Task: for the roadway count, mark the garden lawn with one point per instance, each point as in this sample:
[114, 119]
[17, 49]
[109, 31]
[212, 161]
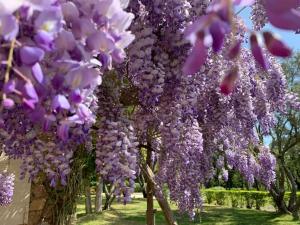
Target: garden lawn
[134, 214]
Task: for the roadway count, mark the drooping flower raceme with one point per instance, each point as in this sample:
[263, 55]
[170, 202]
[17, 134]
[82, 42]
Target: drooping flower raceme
[53, 54]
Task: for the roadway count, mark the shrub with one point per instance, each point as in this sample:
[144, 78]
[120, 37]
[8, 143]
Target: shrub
[237, 198]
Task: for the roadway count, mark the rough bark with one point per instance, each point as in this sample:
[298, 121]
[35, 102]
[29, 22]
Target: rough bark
[88, 200]
[150, 214]
[142, 182]
[109, 196]
[98, 200]
[163, 203]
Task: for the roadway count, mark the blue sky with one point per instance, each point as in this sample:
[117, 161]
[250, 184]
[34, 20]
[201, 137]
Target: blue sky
[289, 37]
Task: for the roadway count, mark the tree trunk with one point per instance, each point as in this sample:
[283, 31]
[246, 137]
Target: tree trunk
[98, 200]
[109, 196]
[293, 202]
[163, 203]
[88, 200]
[141, 180]
[150, 214]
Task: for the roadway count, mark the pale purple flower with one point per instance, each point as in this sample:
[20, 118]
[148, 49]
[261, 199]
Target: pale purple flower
[8, 103]
[37, 72]
[60, 102]
[31, 55]
[83, 78]
[9, 27]
[49, 20]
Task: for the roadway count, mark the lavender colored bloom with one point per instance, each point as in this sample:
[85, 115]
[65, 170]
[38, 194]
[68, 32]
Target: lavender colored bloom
[37, 72]
[31, 55]
[49, 20]
[70, 11]
[83, 77]
[9, 7]
[196, 59]
[44, 40]
[9, 27]
[65, 41]
[101, 41]
[8, 103]
[60, 102]
[63, 131]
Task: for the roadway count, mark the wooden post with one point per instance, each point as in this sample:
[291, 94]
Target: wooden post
[98, 200]
[150, 217]
[163, 203]
[88, 200]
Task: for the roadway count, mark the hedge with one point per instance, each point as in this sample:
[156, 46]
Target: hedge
[239, 198]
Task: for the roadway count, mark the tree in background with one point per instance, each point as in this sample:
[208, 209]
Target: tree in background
[285, 139]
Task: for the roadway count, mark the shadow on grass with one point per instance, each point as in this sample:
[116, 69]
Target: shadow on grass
[134, 214]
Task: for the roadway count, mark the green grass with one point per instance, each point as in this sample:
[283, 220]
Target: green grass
[134, 214]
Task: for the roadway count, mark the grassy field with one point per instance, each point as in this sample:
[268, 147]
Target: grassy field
[134, 214]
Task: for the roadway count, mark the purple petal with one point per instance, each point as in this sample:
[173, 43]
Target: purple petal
[44, 40]
[244, 2]
[58, 81]
[9, 27]
[101, 41]
[118, 55]
[65, 41]
[281, 6]
[9, 7]
[60, 102]
[49, 20]
[31, 55]
[289, 20]
[76, 96]
[106, 60]
[121, 21]
[9, 87]
[70, 11]
[257, 52]
[37, 73]
[82, 27]
[228, 82]
[48, 120]
[275, 46]
[191, 31]
[30, 91]
[196, 59]
[234, 50]
[218, 30]
[8, 103]
[83, 78]
[83, 112]
[63, 131]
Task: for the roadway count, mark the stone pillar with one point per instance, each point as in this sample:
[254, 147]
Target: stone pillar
[17, 212]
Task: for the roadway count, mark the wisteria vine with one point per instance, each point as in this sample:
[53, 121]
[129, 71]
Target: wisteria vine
[198, 104]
